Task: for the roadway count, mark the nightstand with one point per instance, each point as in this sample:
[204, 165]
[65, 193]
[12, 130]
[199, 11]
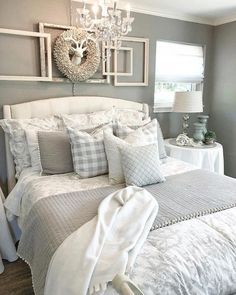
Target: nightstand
[205, 157]
[7, 247]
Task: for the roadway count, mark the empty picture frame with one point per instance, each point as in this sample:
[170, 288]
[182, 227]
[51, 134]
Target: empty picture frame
[54, 31]
[46, 37]
[142, 60]
[116, 54]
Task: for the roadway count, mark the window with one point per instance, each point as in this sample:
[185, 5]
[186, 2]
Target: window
[179, 67]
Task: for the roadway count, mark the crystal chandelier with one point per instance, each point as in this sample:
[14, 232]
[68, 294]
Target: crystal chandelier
[107, 23]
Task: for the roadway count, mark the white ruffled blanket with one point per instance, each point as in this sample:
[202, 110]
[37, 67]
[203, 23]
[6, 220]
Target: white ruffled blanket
[105, 246]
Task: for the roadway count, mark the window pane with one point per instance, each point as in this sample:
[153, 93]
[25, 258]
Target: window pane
[165, 92]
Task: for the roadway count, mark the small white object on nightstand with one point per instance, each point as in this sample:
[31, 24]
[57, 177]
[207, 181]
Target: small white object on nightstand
[205, 157]
[7, 247]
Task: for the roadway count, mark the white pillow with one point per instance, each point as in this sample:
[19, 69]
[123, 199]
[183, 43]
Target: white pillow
[128, 116]
[84, 121]
[113, 144]
[148, 132]
[15, 128]
[90, 120]
[122, 131]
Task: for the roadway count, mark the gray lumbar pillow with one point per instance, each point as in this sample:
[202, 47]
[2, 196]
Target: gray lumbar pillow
[141, 165]
[55, 152]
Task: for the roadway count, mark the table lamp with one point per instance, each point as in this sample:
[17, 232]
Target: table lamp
[187, 102]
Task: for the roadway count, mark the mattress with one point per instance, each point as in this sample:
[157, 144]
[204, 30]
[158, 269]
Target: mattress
[32, 186]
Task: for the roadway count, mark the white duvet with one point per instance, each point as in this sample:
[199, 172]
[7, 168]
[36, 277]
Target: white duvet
[194, 257]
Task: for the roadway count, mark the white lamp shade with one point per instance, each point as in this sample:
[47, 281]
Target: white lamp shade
[188, 102]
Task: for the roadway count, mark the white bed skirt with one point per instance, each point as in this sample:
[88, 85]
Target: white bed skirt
[7, 247]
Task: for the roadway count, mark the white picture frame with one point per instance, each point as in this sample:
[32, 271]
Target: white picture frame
[145, 81]
[43, 36]
[106, 63]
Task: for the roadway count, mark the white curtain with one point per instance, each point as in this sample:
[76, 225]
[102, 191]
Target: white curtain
[179, 62]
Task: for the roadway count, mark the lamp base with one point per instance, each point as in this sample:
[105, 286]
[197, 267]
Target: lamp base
[185, 124]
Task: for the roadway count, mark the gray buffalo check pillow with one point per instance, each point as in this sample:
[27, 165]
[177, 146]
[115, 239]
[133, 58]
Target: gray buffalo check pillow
[88, 152]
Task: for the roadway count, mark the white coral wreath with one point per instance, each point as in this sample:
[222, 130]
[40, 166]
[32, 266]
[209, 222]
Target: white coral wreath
[62, 52]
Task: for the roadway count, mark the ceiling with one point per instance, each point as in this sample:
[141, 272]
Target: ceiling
[213, 12]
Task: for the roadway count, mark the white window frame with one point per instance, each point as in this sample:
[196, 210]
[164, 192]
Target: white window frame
[196, 85]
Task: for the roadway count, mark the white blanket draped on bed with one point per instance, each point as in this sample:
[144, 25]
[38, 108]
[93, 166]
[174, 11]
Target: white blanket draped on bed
[105, 246]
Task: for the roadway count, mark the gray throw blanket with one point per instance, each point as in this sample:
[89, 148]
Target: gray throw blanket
[53, 219]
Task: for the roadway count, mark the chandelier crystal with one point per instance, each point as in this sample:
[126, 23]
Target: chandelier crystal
[107, 23]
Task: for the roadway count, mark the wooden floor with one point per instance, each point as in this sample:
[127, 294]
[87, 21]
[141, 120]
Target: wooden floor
[16, 279]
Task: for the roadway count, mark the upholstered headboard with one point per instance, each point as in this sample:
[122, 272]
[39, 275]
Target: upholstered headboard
[63, 105]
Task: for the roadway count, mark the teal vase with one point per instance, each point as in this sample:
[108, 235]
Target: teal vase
[203, 120]
[198, 134]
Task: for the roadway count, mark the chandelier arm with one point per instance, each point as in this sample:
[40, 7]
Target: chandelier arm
[110, 27]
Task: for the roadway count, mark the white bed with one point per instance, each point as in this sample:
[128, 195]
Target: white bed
[53, 106]
[195, 256]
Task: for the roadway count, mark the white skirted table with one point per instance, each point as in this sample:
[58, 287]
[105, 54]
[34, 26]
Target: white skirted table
[206, 157]
[7, 247]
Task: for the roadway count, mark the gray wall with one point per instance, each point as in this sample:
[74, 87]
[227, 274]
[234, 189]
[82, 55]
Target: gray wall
[223, 94]
[25, 14]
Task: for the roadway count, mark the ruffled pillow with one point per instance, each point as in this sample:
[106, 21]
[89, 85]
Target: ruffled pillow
[128, 116]
[124, 116]
[90, 120]
[15, 128]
